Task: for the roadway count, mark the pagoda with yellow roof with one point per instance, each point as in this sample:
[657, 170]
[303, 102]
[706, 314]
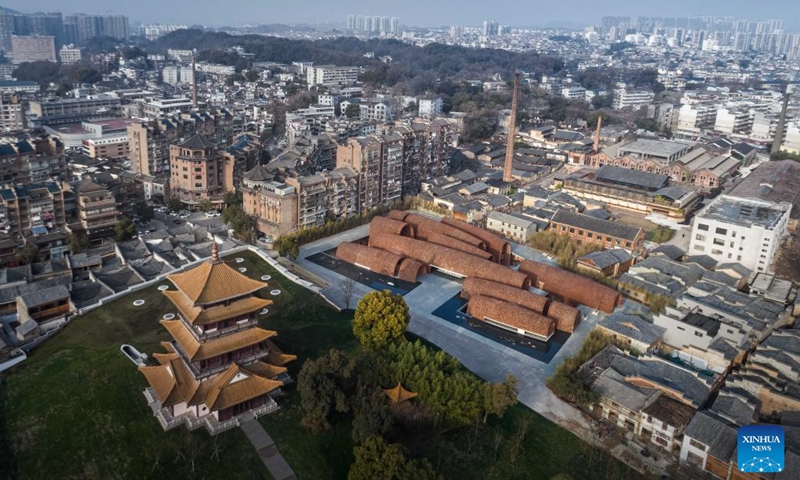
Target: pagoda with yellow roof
[219, 365]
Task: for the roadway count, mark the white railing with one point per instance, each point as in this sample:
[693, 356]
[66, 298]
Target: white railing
[192, 422]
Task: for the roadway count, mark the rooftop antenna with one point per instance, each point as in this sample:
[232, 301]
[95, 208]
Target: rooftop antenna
[512, 131]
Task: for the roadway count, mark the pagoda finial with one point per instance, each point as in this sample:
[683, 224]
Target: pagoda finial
[214, 252]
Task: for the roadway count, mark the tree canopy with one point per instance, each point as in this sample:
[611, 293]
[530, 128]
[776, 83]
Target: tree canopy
[124, 230]
[381, 319]
[321, 384]
[376, 458]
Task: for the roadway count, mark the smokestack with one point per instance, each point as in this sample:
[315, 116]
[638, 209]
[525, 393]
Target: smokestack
[597, 134]
[512, 131]
[778, 140]
[194, 81]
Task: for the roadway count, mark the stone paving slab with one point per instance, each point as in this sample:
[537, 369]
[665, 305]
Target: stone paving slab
[267, 450]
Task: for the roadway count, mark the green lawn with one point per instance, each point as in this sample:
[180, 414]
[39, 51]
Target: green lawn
[75, 409]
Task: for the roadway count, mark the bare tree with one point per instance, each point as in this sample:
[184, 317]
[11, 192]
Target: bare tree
[497, 440]
[519, 438]
[348, 289]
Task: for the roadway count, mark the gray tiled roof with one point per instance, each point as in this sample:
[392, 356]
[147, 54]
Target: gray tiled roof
[41, 297]
[593, 224]
[634, 178]
[711, 430]
[694, 387]
[633, 327]
[606, 258]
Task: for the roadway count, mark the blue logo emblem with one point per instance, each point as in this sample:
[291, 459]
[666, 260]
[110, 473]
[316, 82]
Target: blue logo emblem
[761, 449]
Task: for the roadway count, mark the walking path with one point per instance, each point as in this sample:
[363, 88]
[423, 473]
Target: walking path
[267, 450]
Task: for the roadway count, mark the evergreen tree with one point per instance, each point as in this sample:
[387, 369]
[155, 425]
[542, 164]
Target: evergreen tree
[381, 319]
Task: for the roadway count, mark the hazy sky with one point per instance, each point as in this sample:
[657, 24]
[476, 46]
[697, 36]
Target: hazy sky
[413, 12]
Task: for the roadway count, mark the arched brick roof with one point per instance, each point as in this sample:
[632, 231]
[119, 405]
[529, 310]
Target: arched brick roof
[398, 215]
[477, 286]
[498, 246]
[509, 314]
[411, 269]
[449, 259]
[570, 287]
[566, 317]
[380, 261]
[450, 242]
[425, 227]
[388, 225]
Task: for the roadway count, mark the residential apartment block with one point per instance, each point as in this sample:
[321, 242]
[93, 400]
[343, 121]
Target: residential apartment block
[29, 206]
[331, 75]
[740, 230]
[32, 161]
[198, 171]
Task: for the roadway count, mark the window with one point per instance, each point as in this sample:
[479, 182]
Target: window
[628, 244]
[700, 237]
[571, 230]
[697, 444]
[580, 232]
[698, 334]
[703, 227]
[719, 241]
[738, 258]
[716, 252]
[700, 248]
[733, 234]
[681, 329]
[721, 231]
[589, 235]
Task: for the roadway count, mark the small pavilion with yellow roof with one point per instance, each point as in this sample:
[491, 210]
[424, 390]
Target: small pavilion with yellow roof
[219, 364]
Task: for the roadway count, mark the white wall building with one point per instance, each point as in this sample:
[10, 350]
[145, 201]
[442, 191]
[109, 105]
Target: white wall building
[69, 54]
[573, 93]
[636, 99]
[514, 227]
[177, 75]
[331, 75]
[732, 229]
[430, 107]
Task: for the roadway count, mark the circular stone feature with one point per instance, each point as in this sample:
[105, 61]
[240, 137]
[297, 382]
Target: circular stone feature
[138, 303]
[275, 292]
[161, 288]
[266, 277]
[242, 269]
[169, 316]
[239, 260]
[264, 311]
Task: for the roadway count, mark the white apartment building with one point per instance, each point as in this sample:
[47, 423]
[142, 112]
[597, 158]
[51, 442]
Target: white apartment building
[12, 112]
[636, 99]
[791, 141]
[177, 75]
[732, 229]
[573, 93]
[697, 116]
[430, 107]
[69, 54]
[517, 228]
[732, 121]
[216, 69]
[331, 75]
